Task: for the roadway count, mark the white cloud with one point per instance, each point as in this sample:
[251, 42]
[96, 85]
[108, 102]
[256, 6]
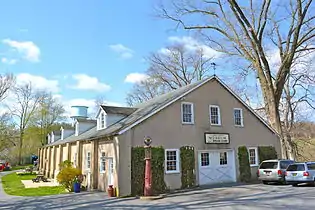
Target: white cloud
[8, 61]
[135, 77]
[85, 82]
[123, 51]
[192, 45]
[38, 82]
[27, 49]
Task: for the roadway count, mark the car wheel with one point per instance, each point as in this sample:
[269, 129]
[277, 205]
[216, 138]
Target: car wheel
[294, 185]
[264, 182]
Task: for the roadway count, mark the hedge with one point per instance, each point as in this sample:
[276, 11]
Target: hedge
[187, 157]
[267, 153]
[244, 166]
[138, 170]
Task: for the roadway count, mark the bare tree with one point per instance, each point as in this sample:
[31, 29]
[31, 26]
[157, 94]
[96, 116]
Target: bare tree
[24, 109]
[251, 31]
[7, 133]
[174, 67]
[7, 81]
[49, 111]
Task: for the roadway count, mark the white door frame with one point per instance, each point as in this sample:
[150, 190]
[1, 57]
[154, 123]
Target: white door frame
[217, 150]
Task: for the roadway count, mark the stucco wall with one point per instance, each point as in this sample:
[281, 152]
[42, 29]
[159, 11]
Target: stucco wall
[166, 129]
[73, 152]
[110, 150]
[64, 153]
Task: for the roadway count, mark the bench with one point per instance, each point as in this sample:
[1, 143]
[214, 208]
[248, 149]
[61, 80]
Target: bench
[39, 178]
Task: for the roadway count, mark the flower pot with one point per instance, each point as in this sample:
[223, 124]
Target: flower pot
[76, 187]
[110, 191]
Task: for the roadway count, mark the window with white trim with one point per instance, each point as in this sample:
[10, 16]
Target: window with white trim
[187, 113]
[223, 158]
[102, 120]
[102, 162]
[238, 117]
[205, 159]
[88, 160]
[253, 156]
[75, 160]
[215, 118]
[172, 161]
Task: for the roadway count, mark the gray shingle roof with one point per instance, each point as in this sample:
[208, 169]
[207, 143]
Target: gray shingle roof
[74, 138]
[118, 110]
[145, 109]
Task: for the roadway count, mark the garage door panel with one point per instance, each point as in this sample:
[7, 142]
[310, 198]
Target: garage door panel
[216, 167]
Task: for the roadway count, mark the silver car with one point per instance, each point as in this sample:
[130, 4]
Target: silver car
[273, 171]
[300, 173]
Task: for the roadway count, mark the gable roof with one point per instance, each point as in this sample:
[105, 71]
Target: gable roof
[118, 110]
[151, 107]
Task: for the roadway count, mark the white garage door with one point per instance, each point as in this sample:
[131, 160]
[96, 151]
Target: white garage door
[216, 167]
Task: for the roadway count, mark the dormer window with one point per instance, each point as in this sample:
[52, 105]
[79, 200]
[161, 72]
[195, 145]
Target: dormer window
[102, 120]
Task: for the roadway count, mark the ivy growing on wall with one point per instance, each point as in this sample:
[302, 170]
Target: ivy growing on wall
[244, 166]
[187, 159]
[267, 153]
[138, 170]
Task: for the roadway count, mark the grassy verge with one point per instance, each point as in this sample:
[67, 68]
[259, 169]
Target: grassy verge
[12, 185]
[13, 168]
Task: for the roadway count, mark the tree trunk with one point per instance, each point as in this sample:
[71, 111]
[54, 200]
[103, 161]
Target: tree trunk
[20, 147]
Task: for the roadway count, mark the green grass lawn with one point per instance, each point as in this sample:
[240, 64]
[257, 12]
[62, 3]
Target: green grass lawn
[12, 185]
[13, 168]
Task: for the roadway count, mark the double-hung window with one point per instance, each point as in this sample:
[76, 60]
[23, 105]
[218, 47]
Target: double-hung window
[102, 120]
[253, 156]
[215, 117]
[88, 160]
[187, 113]
[171, 161]
[238, 117]
[102, 162]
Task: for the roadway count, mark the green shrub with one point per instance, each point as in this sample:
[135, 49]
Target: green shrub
[267, 153]
[138, 170]
[244, 166]
[68, 174]
[187, 157]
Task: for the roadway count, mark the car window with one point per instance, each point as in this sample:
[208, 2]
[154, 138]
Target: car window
[311, 166]
[269, 165]
[296, 167]
[285, 164]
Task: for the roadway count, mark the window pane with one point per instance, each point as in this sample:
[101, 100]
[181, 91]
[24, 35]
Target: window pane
[269, 165]
[296, 167]
[237, 117]
[252, 156]
[214, 113]
[223, 158]
[205, 159]
[171, 160]
[187, 112]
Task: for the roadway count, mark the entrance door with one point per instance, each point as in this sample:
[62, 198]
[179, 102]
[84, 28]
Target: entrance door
[216, 167]
[110, 177]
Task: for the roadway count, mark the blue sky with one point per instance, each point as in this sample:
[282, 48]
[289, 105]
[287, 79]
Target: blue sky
[54, 42]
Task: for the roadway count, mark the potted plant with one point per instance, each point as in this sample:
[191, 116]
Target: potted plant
[77, 184]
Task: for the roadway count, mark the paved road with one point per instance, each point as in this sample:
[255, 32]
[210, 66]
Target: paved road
[244, 197]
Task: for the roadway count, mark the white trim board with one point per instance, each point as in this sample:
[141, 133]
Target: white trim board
[191, 90]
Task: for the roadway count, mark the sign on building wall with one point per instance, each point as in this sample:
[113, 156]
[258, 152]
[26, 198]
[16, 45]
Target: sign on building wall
[217, 138]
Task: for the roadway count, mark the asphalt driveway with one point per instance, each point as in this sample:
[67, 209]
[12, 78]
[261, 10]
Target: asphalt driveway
[255, 196]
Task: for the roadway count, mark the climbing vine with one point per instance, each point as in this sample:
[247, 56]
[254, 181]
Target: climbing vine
[244, 167]
[267, 153]
[187, 159]
[138, 169]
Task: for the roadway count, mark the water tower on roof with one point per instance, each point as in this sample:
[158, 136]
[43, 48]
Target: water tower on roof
[79, 112]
